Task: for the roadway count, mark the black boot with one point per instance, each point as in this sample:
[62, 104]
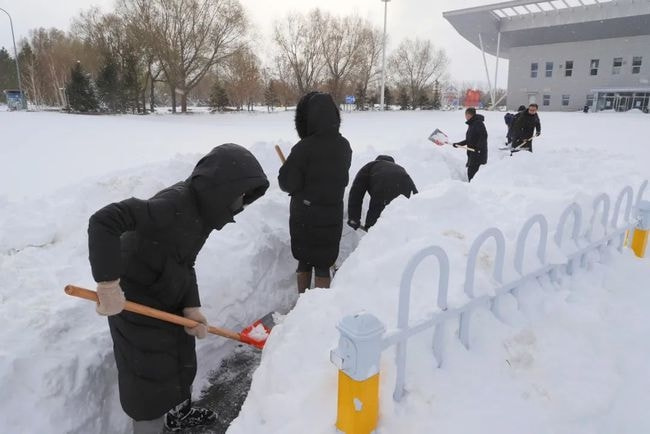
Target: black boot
[185, 416]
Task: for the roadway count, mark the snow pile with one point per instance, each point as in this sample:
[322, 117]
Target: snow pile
[573, 354]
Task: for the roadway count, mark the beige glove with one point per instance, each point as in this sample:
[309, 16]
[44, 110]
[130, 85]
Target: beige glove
[201, 330]
[111, 298]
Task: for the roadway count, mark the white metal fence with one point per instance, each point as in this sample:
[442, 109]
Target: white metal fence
[602, 233]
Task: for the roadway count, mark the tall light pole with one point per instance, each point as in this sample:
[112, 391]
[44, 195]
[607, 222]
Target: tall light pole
[383, 57]
[20, 85]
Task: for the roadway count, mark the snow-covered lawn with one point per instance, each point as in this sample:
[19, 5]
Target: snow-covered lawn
[573, 360]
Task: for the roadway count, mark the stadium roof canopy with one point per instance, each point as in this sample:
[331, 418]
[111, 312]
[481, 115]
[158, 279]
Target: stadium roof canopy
[524, 23]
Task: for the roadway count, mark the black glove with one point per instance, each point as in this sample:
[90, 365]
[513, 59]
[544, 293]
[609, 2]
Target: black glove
[538, 133]
[354, 225]
[455, 145]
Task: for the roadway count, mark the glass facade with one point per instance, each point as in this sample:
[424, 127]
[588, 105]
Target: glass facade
[623, 101]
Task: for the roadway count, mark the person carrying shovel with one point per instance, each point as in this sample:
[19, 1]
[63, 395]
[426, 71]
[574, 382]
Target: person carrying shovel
[475, 142]
[525, 127]
[144, 251]
[315, 175]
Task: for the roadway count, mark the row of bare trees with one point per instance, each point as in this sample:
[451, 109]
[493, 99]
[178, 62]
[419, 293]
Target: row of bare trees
[181, 51]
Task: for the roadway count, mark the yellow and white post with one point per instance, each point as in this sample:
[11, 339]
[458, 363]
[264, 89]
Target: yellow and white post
[640, 235]
[357, 358]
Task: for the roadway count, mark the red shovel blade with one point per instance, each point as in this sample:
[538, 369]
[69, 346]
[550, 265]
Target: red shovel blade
[257, 333]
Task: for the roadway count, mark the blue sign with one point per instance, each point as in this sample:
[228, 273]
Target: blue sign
[350, 99]
[14, 99]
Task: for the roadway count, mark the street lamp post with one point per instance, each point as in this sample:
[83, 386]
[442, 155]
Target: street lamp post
[383, 57]
[20, 85]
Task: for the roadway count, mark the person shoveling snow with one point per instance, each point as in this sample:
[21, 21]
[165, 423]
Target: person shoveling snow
[145, 250]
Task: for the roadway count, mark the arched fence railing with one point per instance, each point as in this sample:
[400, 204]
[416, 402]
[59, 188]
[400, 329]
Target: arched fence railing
[584, 244]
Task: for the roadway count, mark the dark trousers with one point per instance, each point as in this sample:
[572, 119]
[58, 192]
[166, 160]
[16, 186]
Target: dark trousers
[472, 168]
[304, 267]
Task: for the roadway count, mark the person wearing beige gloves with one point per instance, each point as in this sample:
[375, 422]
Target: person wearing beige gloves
[144, 251]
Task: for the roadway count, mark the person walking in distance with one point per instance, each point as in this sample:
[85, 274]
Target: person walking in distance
[475, 141]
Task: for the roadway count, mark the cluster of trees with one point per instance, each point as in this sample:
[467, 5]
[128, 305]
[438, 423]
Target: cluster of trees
[150, 52]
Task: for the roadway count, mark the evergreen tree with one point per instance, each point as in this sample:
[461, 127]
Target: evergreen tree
[109, 86]
[7, 73]
[270, 96]
[436, 102]
[81, 96]
[422, 101]
[403, 99]
[360, 96]
[130, 84]
[218, 97]
[388, 98]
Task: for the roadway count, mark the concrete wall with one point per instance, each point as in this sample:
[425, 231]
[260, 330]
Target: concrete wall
[521, 87]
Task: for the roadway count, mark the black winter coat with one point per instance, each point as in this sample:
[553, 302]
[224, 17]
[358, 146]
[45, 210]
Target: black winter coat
[384, 180]
[525, 125]
[476, 138]
[152, 246]
[315, 175]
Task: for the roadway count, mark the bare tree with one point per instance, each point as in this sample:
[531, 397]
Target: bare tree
[189, 37]
[342, 41]
[298, 39]
[53, 53]
[243, 79]
[415, 65]
[367, 69]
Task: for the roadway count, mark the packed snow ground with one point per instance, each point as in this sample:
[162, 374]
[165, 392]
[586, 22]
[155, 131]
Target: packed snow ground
[573, 360]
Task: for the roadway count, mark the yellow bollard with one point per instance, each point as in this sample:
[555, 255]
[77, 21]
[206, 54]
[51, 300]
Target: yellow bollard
[358, 404]
[357, 358]
[640, 235]
[639, 242]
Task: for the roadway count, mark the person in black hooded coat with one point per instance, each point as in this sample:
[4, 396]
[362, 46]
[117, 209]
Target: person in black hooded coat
[476, 140]
[315, 175]
[525, 127]
[384, 180]
[145, 250]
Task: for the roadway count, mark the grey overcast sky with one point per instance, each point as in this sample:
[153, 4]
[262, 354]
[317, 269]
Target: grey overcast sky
[406, 19]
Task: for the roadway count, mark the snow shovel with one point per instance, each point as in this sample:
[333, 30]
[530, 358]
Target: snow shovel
[254, 335]
[280, 153]
[518, 148]
[440, 139]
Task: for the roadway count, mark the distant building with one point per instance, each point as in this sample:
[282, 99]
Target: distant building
[565, 54]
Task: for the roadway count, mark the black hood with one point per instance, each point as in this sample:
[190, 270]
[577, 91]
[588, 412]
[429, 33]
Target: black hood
[475, 118]
[385, 158]
[226, 173]
[317, 113]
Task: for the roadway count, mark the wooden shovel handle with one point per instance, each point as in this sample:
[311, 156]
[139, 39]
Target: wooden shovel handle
[152, 313]
[280, 153]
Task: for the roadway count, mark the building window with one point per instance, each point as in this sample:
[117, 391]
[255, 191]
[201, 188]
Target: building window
[593, 66]
[546, 100]
[568, 68]
[549, 69]
[533, 70]
[590, 100]
[636, 65]
[565, 100]
[616, 66]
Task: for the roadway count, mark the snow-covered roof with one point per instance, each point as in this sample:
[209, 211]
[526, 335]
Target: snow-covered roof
[527, 22]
